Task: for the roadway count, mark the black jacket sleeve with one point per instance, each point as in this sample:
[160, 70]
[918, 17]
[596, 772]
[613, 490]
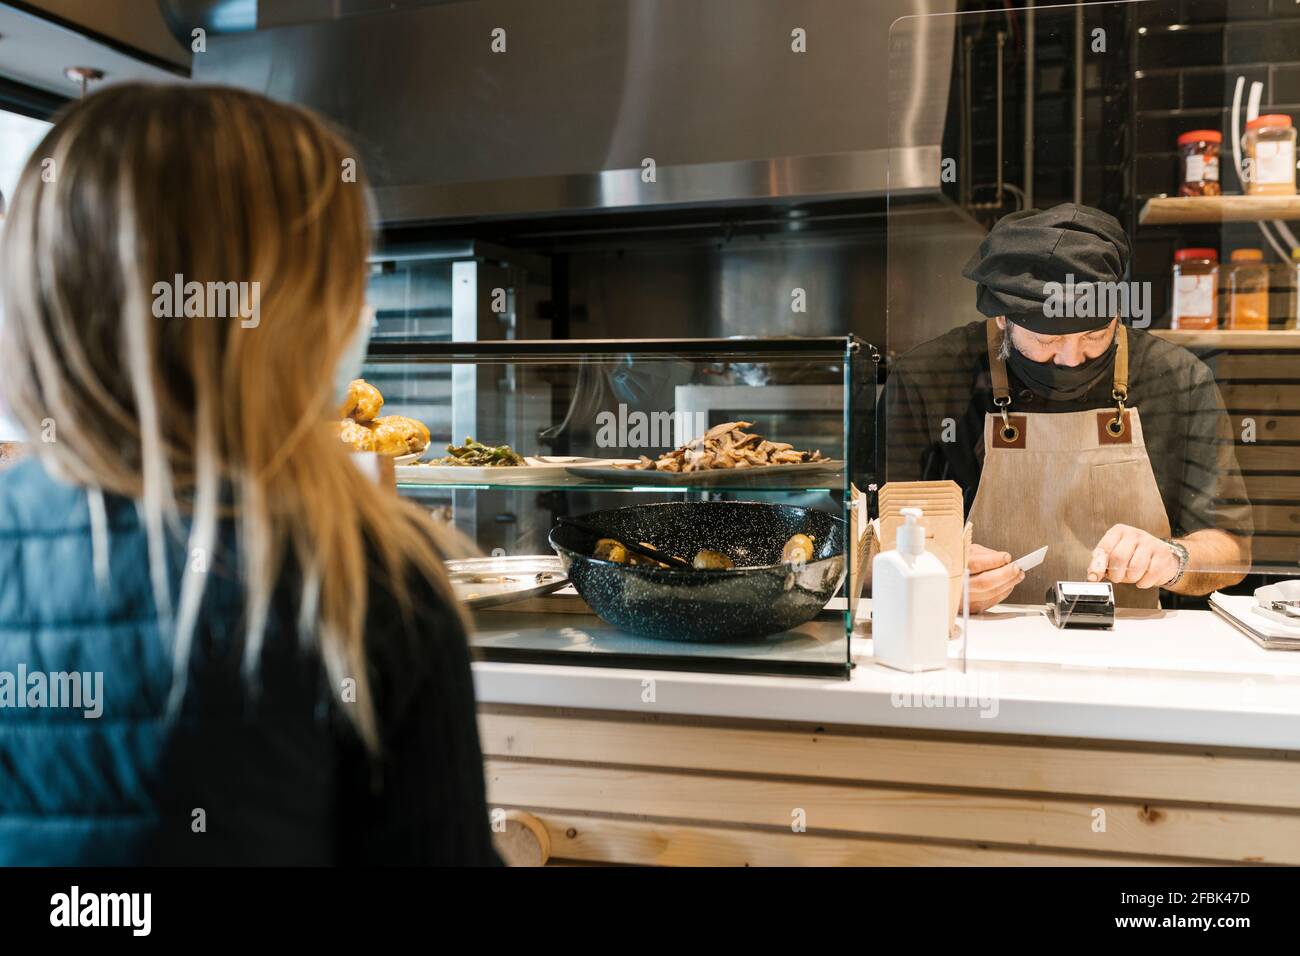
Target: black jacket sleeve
[421, 800]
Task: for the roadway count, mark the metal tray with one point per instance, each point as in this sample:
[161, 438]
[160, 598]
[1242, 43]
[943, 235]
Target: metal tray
[488, 582]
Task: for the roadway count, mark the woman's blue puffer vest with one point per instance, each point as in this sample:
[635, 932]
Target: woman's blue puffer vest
[236, 776]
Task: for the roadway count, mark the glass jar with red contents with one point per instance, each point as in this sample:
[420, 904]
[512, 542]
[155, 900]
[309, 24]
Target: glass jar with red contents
[1196, 289]
[1200, 149]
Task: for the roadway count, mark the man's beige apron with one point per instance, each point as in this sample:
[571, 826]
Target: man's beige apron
[1064, 480]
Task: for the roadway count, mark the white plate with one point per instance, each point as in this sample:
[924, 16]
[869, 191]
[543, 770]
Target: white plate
[713, 476]
[539, 470]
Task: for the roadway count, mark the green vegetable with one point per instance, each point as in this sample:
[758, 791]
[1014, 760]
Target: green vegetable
[475, 454]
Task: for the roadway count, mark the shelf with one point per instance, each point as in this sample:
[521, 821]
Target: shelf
[1174, 210]
[1231, 338]
[832, 483]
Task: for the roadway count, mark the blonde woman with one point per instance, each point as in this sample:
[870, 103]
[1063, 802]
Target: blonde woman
[268, 662]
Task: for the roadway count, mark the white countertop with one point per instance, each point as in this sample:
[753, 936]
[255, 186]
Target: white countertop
[1183, 677]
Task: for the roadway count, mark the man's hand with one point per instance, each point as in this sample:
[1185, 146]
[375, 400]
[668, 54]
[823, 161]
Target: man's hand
[992, 577]
[1127, 555]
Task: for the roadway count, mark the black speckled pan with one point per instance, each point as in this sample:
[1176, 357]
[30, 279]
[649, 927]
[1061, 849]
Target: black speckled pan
[760, 596]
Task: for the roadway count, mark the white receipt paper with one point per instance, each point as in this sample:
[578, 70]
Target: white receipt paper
[1032, 560]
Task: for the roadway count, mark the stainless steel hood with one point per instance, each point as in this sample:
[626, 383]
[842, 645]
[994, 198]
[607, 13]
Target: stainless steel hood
[587, 91]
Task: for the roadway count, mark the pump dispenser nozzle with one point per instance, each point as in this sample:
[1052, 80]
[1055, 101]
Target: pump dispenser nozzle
[910, 539]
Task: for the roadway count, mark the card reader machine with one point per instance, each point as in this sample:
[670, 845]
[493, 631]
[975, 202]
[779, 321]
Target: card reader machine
[1082, 604]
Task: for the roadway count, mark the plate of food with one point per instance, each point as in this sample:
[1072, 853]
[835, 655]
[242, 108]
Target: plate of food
[474, 461]
[726, 453]
[488, 582]
[362, 428]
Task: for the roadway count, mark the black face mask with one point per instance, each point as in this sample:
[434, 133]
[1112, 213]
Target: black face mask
[1059, 382]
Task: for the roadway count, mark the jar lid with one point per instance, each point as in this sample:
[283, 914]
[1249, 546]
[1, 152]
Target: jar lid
[1197, 135]
[1182, 255]
[1269, 119]
[1247, 255]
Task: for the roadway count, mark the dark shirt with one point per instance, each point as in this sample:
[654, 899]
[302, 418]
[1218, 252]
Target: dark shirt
[937, 395]
[254, 768]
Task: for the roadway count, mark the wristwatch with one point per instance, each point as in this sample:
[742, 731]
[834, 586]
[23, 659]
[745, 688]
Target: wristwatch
[1183, 558]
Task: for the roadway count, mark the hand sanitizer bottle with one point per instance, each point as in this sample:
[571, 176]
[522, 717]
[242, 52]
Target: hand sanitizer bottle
[909, 602]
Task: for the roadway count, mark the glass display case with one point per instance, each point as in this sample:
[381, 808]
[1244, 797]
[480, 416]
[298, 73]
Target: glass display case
[778, 437]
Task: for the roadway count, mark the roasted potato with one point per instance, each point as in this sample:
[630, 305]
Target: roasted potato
[707, 560]
[607, 549]
[798, 550]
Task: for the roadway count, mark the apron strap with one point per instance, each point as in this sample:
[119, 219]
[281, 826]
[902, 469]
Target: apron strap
[1121, 359]
[1119, 389]
[997, 367]
[1002, 388]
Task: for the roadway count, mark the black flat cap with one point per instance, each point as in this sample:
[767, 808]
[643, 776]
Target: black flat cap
[1027, 250]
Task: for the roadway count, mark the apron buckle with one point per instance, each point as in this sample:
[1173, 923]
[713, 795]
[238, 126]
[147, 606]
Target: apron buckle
[1116, 426]
[1009, 431]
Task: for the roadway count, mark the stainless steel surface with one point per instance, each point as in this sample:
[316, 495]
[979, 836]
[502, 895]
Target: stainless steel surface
[742, 286]
[928, 239]
[212, 16]
[827, 176]
[241, 16]
[36, 50]
[587, 90]
[927, 293]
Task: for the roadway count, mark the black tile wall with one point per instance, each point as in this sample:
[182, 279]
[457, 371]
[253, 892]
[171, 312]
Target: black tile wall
[1269, 42]
[1221, 11]
[1156, 14]
[1157, 92]
[1213, 87]
[1286, 84]
[1159, 132]
[1156, 172]
[1160, 48]
[1162, 13]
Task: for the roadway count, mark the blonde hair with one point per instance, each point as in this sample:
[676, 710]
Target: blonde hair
[202, 415]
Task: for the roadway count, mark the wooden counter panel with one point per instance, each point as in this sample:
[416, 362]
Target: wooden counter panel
[652, 790]
[1149, 829]
[593, 839]
[1224, 778]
